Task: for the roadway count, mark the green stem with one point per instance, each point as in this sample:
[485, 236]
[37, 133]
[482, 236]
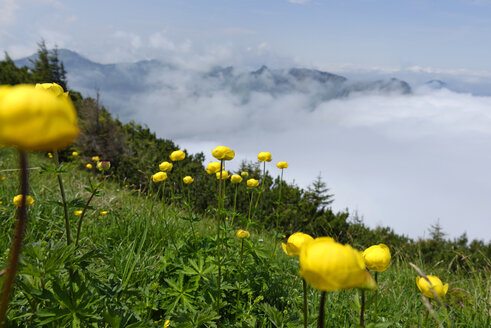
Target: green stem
[240, 277]
[16, 247]
[63, 198]
[362, 309]
[235, 204]
[250, 210]
[218, 237]
[79, 227]
[281, 184]
[305, 313]
[163, 200]
[262, 186]
[320, 322]
[376, 298]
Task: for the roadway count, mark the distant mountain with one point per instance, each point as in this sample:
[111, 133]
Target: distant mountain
[118, 83]
[436, 84]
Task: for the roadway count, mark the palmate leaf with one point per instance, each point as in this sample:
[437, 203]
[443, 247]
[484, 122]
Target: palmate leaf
[199, 269]
[180, 293]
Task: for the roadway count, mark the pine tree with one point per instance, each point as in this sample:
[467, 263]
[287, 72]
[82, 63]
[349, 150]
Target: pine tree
[47, 67]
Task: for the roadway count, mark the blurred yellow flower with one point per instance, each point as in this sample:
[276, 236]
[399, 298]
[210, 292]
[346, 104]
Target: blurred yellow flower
[328, 266]
[236, 178]
[77, 213]
[295, 243]
[252, 183]
[225, 175]
[56, 89]
[103, 212]
[50, 155]
[188, 180]
[166, 323]
[103, 165]
[282, 165]
[3, 178]
[435, 283]
[18, 200]
[241, 234]
[89, 166]
[165, 166]
[95, 159]
[35, 120]
[377, 257]
[159, 176]
[264, 156]
[74, 153]
[177, 155]
[213, 167]
[244, 174]
[223, 153]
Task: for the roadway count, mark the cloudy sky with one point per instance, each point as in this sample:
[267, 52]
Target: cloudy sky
[400, 160]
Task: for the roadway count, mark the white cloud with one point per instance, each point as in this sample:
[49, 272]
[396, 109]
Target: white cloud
[299, 1]
[8, 11]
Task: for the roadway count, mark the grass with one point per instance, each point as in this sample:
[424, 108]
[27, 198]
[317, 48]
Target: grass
[144, 263]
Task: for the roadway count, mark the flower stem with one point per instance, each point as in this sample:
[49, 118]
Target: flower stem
[16, 241]
[250, 210]
[63, 198]
[305, 313]
[79, 227]
[218, 237]
[362, 309]
[240, 277]
[235, 204]
[376, 298]
[320, 322]
[262, 186]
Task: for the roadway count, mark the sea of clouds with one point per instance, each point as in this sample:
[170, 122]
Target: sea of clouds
[404, 161]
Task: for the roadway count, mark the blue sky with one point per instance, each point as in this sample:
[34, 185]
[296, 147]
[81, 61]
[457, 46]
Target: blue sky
[445, 34]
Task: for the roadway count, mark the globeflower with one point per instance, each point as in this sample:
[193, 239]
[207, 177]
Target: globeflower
[377, 257]
[295, 242]
[33, 119]
[18, 200]
[213, 167]
[252, 183]
[55, 88]
[282, 165]
[103, 165]
[223, 153]
[225, 175]
[327, 265]
[241, 234]
[165, 166]
[50, 155]
[89, 166]
[434, 284]
[188, 180]
[236, 178]
[74, 154]
[103, 212]
[177, 155]
[264, 156]
[244, 174]
[77, 213]
[95, 159]
[159, 176]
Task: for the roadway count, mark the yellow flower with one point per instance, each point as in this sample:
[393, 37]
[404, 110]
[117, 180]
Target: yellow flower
[244, 174]
[165, 166]
[188, 180]
[225, 175]
[74, 153]
[264, 156]
[159, 176]
[103, 212]
[56, 89]
[103, 165]
[236, 178]
[177, 155]
[50, 155]
[3, 178]
[252, 183]
[435, 283]
[89, 166]
[241, 234]
[1, 202]
[213, 167]
[77, 213]
[328, 265]
[282, 165]
[377, 257]
[295, 243]
[166, 323]
[223, 153]
[18, 200]
[95, 159]
[36, 120]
